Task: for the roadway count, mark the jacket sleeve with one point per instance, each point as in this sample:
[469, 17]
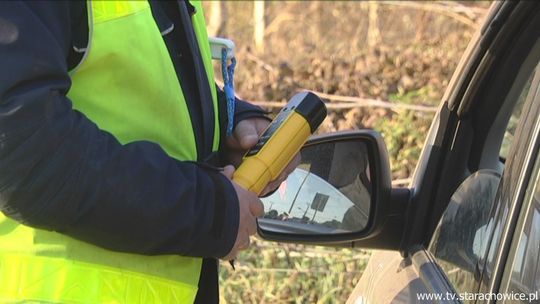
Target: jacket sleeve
[243, 109]
[246, 110]
[59, 172]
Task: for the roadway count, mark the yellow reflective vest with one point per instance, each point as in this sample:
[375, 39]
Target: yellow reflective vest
[135, 95]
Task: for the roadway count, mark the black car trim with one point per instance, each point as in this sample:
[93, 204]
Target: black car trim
[493, 46]
[531, 133]
[432, 275]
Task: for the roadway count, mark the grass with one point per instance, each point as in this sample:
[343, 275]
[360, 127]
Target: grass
[287, 273]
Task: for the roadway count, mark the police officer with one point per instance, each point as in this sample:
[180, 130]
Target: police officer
[111, 129]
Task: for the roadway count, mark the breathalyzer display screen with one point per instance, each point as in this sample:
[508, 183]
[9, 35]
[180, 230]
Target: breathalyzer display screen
[272, 128]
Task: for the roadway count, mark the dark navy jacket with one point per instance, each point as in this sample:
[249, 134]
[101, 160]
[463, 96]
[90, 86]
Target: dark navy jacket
[59, 172]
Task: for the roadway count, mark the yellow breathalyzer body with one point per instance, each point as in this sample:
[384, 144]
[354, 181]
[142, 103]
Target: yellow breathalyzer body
[280, 142]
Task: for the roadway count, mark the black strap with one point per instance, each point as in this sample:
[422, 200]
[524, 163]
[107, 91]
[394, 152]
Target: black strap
[192, 10]
[79, 32]
[208, 292]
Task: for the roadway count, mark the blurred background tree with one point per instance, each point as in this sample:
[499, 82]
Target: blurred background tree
[379, 64]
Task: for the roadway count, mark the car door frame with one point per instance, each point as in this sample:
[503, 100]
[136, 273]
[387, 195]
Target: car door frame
[433, 182]
[522, 164]
[519, 173]
[432, 276]
[460, 98]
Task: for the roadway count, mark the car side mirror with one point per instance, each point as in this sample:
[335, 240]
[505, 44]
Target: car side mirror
[333, 194]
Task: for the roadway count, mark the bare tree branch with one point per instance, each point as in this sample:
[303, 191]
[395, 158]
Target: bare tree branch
[349, 102]
[449, 9]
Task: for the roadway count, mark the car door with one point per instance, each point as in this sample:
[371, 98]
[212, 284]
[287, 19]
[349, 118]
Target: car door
[521, 276]
[518, 279]
[457, 259]
[452, 264]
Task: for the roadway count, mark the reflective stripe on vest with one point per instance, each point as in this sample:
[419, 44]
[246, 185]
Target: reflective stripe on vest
[135, 95]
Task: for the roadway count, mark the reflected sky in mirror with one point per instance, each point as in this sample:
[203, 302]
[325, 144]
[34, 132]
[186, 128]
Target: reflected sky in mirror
[330, 192]
[306, 197]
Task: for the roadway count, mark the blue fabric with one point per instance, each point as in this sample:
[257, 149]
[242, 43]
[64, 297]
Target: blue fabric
[228, 88]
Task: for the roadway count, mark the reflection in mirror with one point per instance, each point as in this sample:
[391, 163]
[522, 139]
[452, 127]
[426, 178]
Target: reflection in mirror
[328, 193]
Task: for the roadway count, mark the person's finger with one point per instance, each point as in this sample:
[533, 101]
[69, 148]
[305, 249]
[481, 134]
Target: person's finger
[291, 166]
[231, 256]
[295, 162]
[245, 244]
[256, 207]
[250, 207]
[261, 124]
[283, 176]
[228, 171]
[273, 185]
[252, 227]
[246, 134]
[232, 143]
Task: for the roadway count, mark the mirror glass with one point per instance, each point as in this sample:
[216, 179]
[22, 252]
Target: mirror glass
[328, 193]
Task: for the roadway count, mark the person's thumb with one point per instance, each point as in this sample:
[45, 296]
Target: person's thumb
[246, 134]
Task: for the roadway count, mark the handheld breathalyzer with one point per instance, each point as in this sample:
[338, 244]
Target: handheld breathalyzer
[280, 142]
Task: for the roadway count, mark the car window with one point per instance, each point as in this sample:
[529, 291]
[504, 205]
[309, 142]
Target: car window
[512, 201]
[462, 236]
[512, 123]
[525, 272]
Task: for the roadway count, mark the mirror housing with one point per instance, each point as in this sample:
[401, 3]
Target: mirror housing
[387, 211]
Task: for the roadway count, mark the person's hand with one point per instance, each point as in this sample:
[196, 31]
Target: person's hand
[246, 135]
[250, 207]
